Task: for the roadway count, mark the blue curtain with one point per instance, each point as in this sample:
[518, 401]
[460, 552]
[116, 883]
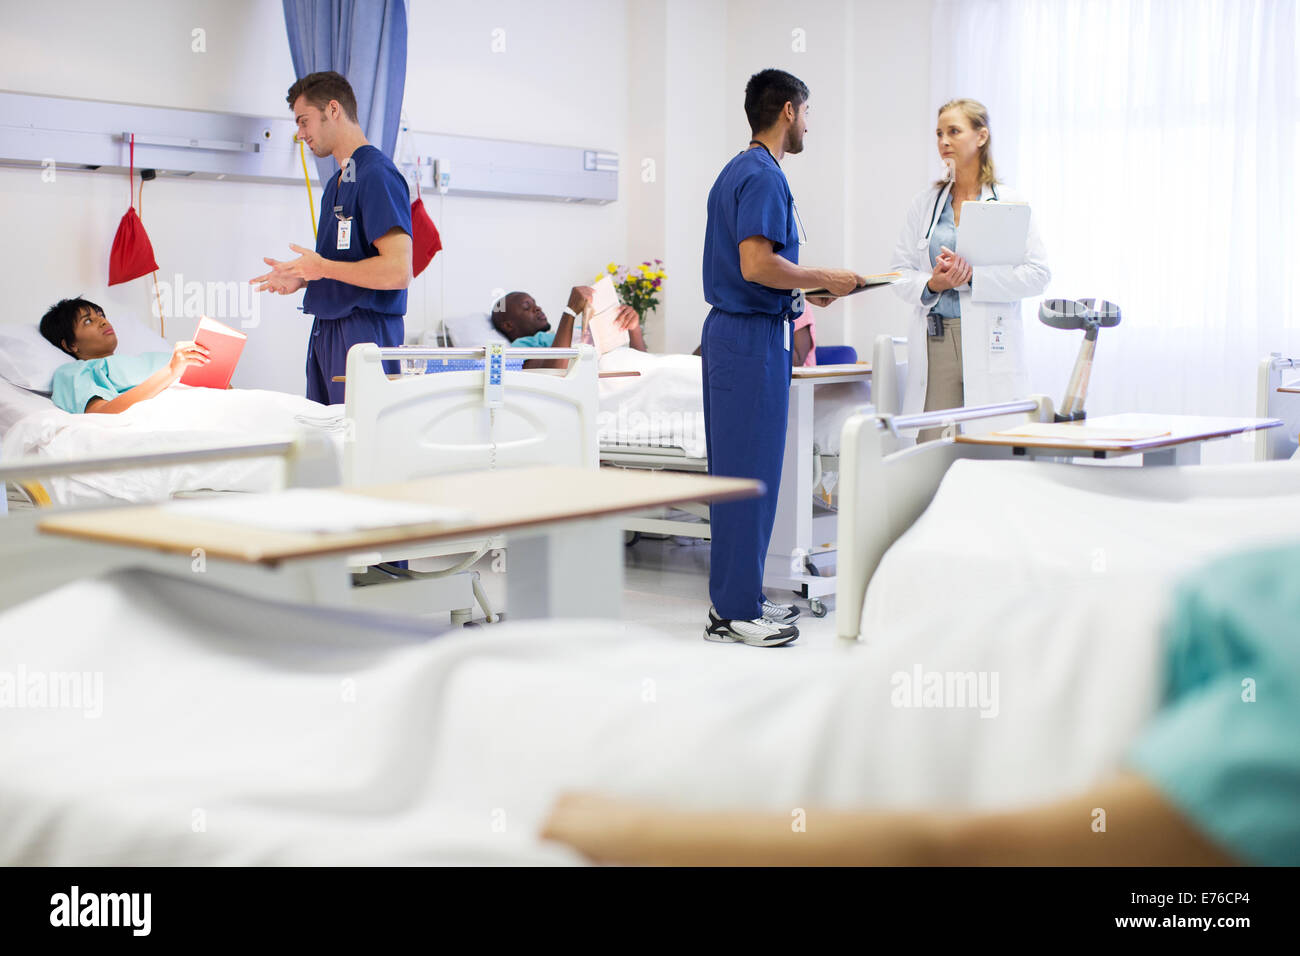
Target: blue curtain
[365, 40]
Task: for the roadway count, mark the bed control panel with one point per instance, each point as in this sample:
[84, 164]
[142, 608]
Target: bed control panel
[493, 389]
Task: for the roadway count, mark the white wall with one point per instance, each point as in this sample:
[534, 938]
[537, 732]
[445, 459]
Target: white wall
[654, 80]
[541, 89]
[560, 79]
[867, 152]
[208, 231]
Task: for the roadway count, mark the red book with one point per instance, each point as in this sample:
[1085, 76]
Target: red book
[224, 346]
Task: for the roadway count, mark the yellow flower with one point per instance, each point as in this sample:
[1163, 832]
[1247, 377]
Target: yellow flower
[611, 268]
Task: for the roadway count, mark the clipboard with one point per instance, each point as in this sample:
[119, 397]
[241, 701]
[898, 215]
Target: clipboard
[993, 233]
[873, 282]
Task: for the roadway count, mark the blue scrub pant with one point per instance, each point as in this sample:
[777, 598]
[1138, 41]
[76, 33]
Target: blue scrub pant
[327, 349]
[746, 400]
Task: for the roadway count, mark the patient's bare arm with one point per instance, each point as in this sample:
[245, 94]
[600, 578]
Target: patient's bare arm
[563, 339]
[1142, 828]
[802, 345]
[184, 354]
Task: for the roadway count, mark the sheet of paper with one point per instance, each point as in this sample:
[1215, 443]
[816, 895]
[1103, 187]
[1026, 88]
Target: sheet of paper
[1075, 432]
[316, 510]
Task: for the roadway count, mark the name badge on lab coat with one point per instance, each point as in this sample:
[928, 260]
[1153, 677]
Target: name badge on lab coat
[998, 337]
[345, 234]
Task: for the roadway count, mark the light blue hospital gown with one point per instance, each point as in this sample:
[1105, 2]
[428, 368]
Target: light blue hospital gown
[76, 383]
[1225, 746]
[538, 340]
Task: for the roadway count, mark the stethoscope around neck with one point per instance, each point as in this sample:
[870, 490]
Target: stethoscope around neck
[938, 205]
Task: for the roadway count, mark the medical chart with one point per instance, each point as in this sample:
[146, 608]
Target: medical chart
[605, 333]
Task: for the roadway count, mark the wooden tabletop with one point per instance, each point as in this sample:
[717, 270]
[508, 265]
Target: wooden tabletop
[831, 371]
[502, 500]
[344, 378]
[1180, 430]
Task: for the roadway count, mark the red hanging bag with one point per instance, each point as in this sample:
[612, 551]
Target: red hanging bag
[132, 254]
[425, 241]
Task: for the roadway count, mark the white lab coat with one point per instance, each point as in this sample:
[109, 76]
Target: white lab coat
[994, 293]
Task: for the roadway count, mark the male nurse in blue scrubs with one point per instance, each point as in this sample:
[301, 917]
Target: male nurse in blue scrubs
[751, 274]
[357, 276]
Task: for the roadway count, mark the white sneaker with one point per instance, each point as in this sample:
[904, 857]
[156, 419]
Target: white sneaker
[759, 632]
[779, 613]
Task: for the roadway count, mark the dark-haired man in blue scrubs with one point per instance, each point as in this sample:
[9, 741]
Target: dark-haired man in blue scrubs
[356, 278]
[751, 274]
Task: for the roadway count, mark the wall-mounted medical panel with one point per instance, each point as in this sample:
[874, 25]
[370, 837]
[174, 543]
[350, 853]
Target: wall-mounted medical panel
[77, 134]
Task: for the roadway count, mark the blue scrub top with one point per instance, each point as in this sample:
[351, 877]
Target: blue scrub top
[538, 340]
[76, 383]
[377, 199]
[1225, 746]
[750, 198]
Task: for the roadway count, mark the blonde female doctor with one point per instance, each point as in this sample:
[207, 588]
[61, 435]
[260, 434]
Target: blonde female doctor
[966, 338]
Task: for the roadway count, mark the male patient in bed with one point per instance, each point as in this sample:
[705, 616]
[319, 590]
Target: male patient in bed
[1213, 778]
[519, 318]
[100, 380]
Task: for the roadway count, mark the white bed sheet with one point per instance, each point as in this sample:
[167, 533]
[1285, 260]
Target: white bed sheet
[664, 405]
[179, 417]
[236, 731]
[996, 532]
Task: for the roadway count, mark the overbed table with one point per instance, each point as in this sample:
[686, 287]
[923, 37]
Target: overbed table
[565, 548]
[1181, 446]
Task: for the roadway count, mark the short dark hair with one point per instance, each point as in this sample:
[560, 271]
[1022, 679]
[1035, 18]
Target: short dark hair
[766, 94]
[59, 323]
[499, 307]
[320, 88]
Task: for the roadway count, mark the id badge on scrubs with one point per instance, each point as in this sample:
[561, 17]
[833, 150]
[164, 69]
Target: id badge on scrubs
[998, 337]
[345, 234]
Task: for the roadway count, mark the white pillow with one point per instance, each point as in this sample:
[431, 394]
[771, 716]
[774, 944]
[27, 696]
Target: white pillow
[473, 331]
[28, 360]
[17, 403]
[136, 338]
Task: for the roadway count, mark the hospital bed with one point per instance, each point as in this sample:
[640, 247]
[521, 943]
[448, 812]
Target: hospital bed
[804, 531]
[965, 521]
[452, 749]
[1277, 395]
[383, 425]
[388, 430]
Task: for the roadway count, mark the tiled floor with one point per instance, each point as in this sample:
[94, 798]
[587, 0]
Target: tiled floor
[667, 588]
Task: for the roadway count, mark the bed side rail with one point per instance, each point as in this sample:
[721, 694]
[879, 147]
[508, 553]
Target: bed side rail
[1272, 444]
[885, 488]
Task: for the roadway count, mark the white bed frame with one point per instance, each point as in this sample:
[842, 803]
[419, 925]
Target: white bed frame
[887, 481]
[419, 425]
[1272, 444]
[802, 530]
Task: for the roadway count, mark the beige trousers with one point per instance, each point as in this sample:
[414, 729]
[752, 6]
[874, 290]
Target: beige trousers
[944, 386]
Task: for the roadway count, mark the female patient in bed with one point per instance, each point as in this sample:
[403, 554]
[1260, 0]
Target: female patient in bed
[101, 381]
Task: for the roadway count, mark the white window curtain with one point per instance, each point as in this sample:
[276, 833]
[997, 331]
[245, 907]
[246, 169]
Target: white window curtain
[1157, 142]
